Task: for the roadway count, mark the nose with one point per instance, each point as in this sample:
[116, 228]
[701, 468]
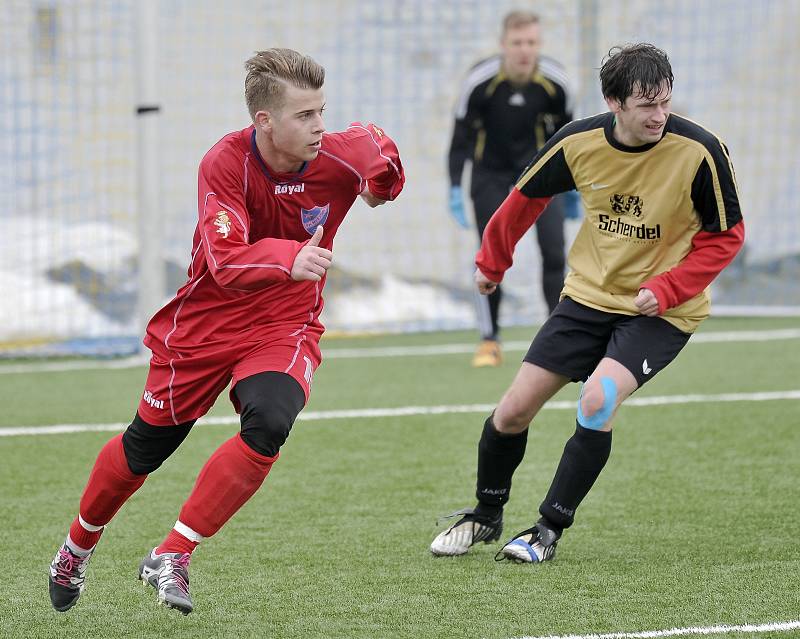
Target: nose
[319, 124]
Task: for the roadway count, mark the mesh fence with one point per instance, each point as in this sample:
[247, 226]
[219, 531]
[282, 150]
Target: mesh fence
[68, 71]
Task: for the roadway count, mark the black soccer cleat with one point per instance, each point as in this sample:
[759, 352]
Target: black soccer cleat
[531, 546]
[67, 577]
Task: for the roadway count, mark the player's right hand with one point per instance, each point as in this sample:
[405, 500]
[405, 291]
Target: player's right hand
[370, 199]
[572, 205]
[312, 261]
[485, 285]
[457, 207]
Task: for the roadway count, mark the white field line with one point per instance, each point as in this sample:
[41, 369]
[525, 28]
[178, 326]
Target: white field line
[449, 349]
[73, 365]
[406, 411]
[394, 351]
[784, 626]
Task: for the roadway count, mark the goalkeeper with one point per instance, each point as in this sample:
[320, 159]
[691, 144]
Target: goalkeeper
[509, 107]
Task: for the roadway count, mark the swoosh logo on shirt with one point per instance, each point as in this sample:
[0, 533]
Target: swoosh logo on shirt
[597, 187]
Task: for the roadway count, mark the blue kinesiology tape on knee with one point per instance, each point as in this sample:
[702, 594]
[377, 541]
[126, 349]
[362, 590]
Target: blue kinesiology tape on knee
[601, 417]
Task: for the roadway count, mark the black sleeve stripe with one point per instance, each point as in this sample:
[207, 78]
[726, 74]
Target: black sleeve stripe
[730, 168]
[727, 157]
[723, 219]
[540, 162]
[571, 130]
[552, 176]
[723, 178]
[716, 185]
[551, 158]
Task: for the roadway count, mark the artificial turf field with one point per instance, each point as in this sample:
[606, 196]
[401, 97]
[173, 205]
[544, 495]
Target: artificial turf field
[694, 522]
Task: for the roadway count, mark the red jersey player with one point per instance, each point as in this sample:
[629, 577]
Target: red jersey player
[271, 198]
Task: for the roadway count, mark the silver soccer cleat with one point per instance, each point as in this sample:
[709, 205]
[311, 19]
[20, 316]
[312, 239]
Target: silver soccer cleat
[168, 573]
[466, 532]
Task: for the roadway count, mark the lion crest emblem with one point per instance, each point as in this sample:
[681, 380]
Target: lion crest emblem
[223, 224]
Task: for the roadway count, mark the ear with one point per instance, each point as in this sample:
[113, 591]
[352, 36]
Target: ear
[264, 121]
[614, 105]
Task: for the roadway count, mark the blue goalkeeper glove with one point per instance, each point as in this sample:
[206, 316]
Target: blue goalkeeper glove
[457, 207]
[572, 205]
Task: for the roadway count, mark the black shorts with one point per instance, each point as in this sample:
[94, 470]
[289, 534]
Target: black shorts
[575, 338]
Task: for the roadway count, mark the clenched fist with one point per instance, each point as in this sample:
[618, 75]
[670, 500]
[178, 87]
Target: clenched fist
[484, 284]
[646, 302]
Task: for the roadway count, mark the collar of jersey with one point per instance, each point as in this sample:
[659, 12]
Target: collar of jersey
[295, 177]
[609, 131]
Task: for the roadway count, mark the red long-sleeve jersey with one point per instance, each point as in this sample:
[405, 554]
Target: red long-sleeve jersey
[253, 222]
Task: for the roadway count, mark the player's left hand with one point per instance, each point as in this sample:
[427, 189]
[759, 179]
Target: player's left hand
[646, 302]
[370, 199]
[485, 285]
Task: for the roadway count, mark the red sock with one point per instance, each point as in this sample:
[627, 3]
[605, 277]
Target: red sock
[82, 537]
[230, 477]
[110, 485]
[176, 542]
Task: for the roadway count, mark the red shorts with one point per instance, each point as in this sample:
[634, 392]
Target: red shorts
[180, 389]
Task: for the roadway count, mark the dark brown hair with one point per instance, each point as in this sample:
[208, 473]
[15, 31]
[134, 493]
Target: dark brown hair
[642, 68]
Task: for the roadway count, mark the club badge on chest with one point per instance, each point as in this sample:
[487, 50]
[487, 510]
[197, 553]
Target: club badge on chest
[314, 217]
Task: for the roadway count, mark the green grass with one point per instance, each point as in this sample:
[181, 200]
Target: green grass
[693, 522]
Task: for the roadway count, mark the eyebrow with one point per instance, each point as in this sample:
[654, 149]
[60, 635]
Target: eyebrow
[649, 102]
[311, 110]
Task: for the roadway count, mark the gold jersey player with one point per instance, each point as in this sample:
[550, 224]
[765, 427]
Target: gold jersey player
[271, 198]
[662, 220]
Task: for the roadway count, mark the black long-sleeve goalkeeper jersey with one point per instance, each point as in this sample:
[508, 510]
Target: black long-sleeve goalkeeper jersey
[500, 125]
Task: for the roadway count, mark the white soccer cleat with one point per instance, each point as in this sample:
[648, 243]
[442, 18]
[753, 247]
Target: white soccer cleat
[466, 532]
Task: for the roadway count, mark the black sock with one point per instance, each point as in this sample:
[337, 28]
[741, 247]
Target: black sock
[583, 458]
[494, 311]
[498, 458]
